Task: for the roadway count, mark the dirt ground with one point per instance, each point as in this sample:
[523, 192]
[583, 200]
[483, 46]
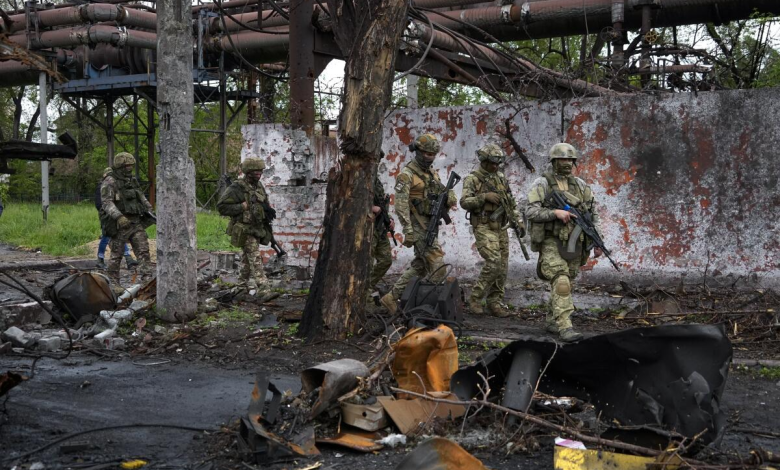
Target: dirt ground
[201, 377]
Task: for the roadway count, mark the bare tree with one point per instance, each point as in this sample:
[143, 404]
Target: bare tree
[367, 34]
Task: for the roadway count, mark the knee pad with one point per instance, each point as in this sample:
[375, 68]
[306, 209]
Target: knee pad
[562, 285]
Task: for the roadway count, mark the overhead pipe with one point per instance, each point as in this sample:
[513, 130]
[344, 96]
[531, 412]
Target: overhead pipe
[268, 20]
[254, 46]
[88, 35]
[525, 19]
[92, 13]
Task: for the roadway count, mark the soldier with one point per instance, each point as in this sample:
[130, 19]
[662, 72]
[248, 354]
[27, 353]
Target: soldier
[125, 215]
[246, 203]
[414, 187]
[484, 190]
[380, 246]
[550, 229]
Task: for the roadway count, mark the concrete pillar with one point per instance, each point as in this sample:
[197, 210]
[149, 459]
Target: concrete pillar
[176, 238]
[411, 91]
[302, 65]
[44, 117]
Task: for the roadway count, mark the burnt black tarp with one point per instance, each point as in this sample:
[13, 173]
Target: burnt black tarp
[668, 377]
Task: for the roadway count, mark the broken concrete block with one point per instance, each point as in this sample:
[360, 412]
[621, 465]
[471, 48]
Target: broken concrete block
[49, 344]
[160, 329]
[114, 343]
[19, 337]
[27, 312]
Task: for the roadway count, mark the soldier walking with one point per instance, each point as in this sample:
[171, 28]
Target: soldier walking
[417, 183]
[381, 253]
[550, 229]
[125, 216]
[484, 191]
[246, 203]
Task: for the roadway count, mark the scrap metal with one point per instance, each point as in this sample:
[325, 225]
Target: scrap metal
[669, 378]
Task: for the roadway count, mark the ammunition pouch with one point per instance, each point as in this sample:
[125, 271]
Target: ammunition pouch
[238, 233]
[537, 234]
[422, 206]
[484, 219]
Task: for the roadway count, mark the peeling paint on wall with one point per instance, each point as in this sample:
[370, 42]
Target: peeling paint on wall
[682, 181]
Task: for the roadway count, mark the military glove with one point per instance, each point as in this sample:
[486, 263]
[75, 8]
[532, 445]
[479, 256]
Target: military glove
[122, 222]
[409, 240]
[493, 198]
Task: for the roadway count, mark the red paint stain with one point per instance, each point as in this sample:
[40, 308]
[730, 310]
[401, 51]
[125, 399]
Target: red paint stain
[704, 203]
[453, 121]
[626, 232]
[402, 131]
[601, 134]
[625, 136]
[607, 171]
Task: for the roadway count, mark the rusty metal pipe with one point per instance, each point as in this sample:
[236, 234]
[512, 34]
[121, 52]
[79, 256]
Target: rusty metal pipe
[92, 13]
[89, 35]
[258, 47]
[250, 19]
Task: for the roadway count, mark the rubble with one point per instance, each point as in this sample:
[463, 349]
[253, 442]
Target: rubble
[333, 379]
[440, 454]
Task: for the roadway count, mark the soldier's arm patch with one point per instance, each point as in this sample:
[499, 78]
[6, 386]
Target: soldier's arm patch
[402, 182]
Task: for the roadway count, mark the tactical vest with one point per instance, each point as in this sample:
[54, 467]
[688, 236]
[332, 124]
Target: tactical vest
[424, 186]
[252, 222]
[500, 186]
[127, 198]
[541, 230]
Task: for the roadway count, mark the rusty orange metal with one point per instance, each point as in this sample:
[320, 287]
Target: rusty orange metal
[425, 360]
[440, 454]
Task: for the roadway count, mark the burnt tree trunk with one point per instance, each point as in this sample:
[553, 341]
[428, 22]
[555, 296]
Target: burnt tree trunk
[367, 34]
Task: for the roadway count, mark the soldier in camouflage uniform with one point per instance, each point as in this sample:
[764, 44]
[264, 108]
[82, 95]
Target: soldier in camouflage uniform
[124, 215]
[380, 246]
[246, 203]
[550, 229]
[413, 188]
[483, 192]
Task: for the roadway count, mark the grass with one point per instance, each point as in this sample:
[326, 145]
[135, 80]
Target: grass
[71, 226]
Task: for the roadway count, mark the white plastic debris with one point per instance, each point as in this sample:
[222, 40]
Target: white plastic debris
[129, 293]
[393, 440]
[571, 444]
[104, 335]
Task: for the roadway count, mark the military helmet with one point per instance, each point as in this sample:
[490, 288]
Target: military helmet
[252, 164]
[492, 153]
[563, 150]
[427, 143]
[123, 159]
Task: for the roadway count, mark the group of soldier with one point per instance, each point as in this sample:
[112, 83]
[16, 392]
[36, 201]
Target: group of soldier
[486, 196]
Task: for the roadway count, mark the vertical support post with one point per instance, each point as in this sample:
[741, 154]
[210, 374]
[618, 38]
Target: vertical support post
[110, 130]
[302, 65]
[135, 137]
[177, 296]
[411, 91]
[150, 151]
[44, 120]
[222, 116]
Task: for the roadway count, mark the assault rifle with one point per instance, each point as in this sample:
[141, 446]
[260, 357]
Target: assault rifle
[506, 208]
[269, 216]
[439, 210]
[584, 223]
[384, 218]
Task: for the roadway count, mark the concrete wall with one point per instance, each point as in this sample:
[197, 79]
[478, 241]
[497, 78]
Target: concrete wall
[683, 182]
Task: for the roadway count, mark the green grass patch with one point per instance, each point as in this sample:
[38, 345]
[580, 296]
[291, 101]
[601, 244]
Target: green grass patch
[771, 373]
[71, 226]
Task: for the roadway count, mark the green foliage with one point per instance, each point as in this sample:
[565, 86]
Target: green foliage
[71, 226]
[770, 373]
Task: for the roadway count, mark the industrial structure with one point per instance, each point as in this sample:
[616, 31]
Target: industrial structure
[107, 51]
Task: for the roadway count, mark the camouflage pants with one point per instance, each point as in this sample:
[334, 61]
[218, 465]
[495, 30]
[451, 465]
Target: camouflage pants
[135, 234]
[382, 258]
[252, 262]
[493, 246]
[426, 261]
[561, 274]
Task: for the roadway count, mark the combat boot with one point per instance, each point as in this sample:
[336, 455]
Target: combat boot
[476, 306]
[131, 263]
[568, 335]
[101, 264]
[552, 328]
[389, 303]
[497, 309]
